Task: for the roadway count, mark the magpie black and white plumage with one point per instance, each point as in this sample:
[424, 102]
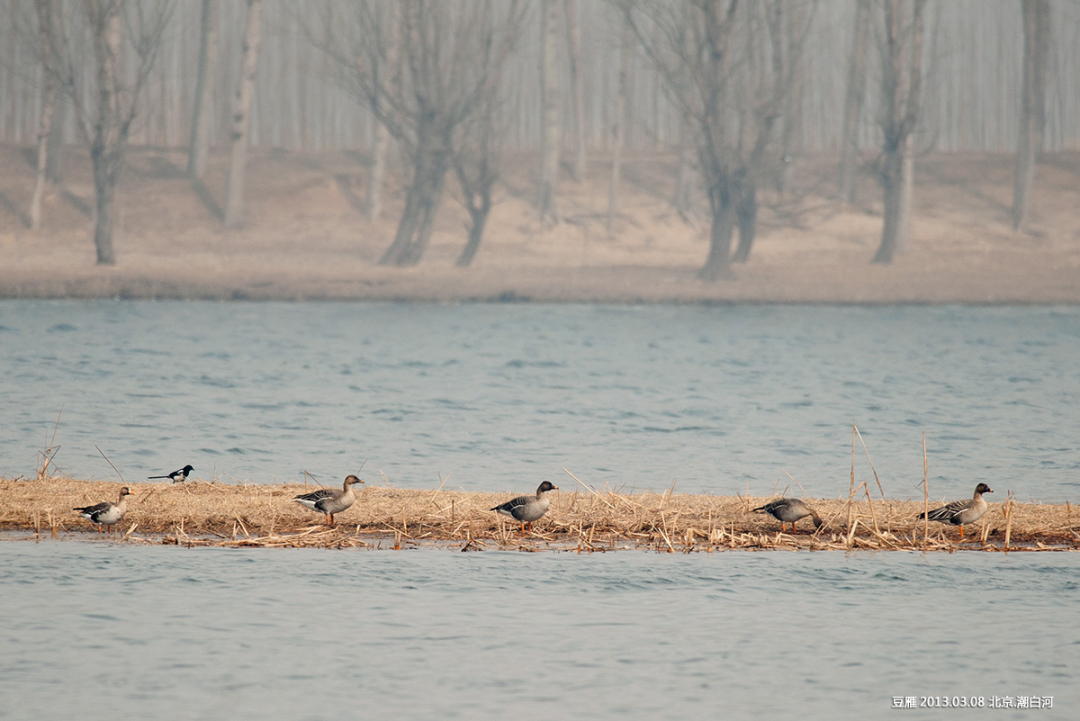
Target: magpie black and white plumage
[526, 509]
[789, 510]
[176, 476]
[330, 501]
[961, 513]
[105, 513]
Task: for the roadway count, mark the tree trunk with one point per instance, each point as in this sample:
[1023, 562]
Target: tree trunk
[895, 224]
[901, 81]
[618, 130]
[106, 148]
[478, 216]
[792, 28]
[683, 201]
[48, 101]
[578, 79]
[200, 116]
[549, 160]
[746, 214]
[54, 151]
[856, 84]
[718, 264]
[234, 204]
[105, 178]
[1036, 15]
[430, 165]
[380, 147]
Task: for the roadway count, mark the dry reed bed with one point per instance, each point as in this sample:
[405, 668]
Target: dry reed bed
[199, 513]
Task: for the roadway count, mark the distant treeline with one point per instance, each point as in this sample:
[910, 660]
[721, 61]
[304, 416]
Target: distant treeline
[444, 88]
[973, 83]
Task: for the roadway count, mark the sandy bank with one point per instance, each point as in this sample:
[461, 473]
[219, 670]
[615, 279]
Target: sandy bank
[199, 513]
[307, 238]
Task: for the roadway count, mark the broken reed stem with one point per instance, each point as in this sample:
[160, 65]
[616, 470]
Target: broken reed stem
[926, 493]
[851, 491]
[869, 500]
[1008, 520]
[867, 450]
[590, 490]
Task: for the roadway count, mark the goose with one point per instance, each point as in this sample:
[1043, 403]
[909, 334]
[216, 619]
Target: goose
[960, 513]
[789, 510]
[105, 513]
[329, 501]
[526, 509]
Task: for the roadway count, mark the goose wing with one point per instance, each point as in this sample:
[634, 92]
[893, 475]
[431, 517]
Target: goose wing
[514, 506]
[95, 510]
[315, 498]
[950, 513]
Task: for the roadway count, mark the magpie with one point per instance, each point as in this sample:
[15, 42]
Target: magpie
[176, 476]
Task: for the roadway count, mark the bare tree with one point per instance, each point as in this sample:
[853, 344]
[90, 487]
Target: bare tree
[683, 199]
[618, 127]
[54, 149]
[107, 107]
[795, 32]
[45, 12]
[245, 92]
[476, 165]
[730, 87]
[900, 88]
[768, 94]
[853, 99]
[200, 116]
[1036, 15]
[577, 77]
[387, 71]
[451, 56]
[551, 140]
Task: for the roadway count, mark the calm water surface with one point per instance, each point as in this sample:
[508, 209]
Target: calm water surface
[501, 397]
[98, 631]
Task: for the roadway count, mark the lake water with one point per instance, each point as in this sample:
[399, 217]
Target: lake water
[500, 397]
[101, 631]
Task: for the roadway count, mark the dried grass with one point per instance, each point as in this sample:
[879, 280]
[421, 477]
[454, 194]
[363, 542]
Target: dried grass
[199, 513]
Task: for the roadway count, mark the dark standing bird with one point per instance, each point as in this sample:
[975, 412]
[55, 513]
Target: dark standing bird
[329, 501]
[526, 509]
[105, 513]
[960, 513]
[176, 476]
[789, 510]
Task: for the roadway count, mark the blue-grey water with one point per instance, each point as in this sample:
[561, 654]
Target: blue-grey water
[498, 398]
[96, 631]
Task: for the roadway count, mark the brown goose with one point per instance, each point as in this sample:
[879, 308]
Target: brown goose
[330, 501]
[526, 509]
[105, 513]
[960, 513]
[789, 510]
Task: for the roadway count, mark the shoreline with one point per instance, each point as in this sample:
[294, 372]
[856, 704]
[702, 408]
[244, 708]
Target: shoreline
[264, 516]
[610, 286]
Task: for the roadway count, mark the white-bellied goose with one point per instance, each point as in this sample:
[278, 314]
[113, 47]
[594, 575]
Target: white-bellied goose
[526, 509]
[105, 513]
[789, 510]
[961, 513]
[330, 501]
